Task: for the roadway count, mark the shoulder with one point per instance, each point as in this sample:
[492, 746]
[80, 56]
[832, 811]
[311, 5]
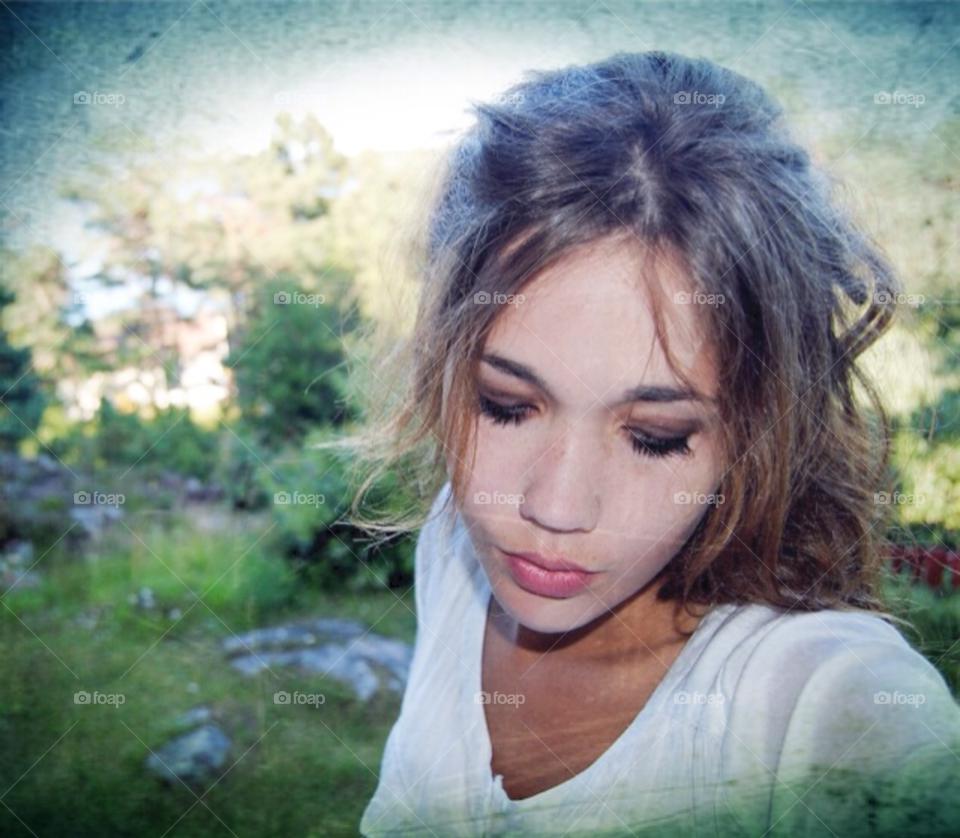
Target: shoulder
[828, 653]
[861, 685]
[839, 703]
[829, 675]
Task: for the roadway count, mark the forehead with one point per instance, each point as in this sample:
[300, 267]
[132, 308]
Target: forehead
[588, 320]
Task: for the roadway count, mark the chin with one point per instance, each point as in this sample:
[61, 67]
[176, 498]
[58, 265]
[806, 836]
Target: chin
[549, 615]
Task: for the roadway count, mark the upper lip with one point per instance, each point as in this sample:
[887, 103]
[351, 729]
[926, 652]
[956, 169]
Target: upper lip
[557, 563]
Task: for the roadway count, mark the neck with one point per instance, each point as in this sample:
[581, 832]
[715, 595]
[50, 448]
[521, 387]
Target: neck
[639, 624]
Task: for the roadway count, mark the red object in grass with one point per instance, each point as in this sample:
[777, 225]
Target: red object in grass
[927, 563]
[953, 562]
[933, 568]
[915, 557]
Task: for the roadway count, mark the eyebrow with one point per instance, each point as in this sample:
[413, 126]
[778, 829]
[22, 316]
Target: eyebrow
[643, 393]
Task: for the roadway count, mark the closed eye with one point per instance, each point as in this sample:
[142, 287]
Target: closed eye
[643, 443]
[652, 446]
[503, 414]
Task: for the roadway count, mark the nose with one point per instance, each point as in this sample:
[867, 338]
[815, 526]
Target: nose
[561, 491]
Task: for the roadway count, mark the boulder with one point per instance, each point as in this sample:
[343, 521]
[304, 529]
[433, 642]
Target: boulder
[194, 756]
[334, 647]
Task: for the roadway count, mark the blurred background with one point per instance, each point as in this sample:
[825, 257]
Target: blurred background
[205, 210]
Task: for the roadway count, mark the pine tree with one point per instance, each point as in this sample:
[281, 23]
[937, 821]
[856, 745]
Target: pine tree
[21, 397]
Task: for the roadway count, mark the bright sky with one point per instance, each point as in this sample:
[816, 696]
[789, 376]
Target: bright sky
[396, 101]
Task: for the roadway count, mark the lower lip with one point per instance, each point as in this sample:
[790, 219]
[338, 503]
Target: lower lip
[534, 579]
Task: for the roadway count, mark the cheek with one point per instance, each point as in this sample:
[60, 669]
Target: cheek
[644, 537]
[504, 456]
[641, 524]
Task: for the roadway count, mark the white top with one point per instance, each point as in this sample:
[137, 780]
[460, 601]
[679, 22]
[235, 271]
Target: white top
[799, 710]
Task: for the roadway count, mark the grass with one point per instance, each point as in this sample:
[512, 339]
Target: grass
[934, 628]
[76, 770]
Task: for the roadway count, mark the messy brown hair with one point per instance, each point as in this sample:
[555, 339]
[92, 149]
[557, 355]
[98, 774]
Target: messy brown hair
[686, 156]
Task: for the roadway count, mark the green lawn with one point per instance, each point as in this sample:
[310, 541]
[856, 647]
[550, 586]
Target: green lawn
[299, 770]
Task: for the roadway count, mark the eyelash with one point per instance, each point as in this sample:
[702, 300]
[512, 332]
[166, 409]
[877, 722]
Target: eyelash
[644, 445]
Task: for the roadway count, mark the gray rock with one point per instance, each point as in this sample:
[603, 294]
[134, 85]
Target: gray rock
[392, 654]
[338, 627]
[343, 664]
[194, 490]
[43, 490]
[252, 664]
[297, 634]
[330, 659]
[143, 599]
[11, 577]
[196, 755]
[353, 657]
[48, 464]
[94, 519]
[18, 552]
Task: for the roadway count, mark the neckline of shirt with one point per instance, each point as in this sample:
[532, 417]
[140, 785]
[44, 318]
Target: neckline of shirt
[473, 630]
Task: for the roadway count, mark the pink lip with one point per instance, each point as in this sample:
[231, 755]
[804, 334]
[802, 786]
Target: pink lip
[546, 577]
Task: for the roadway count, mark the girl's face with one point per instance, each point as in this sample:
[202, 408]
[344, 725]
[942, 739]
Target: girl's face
[592, 459]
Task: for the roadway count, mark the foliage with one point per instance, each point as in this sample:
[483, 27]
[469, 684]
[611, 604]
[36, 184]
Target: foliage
[330, 552]
[169, 441]
[21, 395]
[288, 364]
[242, 461]
[42, 317]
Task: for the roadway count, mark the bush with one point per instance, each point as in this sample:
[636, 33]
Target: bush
[170, 441]
[330, 553]
[289, 362]
[240, 470]
[20, 388]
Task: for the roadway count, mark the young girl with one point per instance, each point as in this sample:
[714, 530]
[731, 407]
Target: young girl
[646, 587]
